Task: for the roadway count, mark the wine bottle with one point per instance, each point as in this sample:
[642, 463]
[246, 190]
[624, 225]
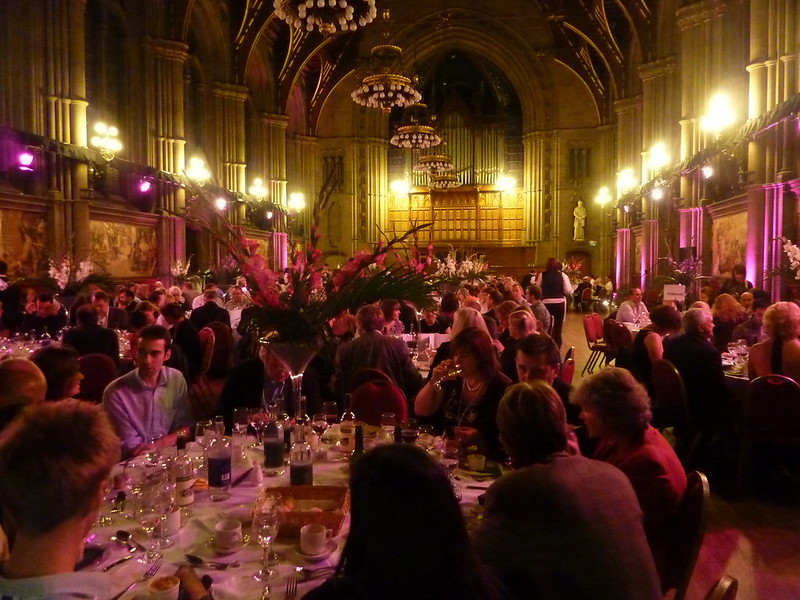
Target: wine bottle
[301, 461]
[346, 425]
[274, 445]
[218, 458]
[358, 450]
[183, 471]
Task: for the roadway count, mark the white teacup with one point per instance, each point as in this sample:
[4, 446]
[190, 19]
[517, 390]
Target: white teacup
[164, 588]
[228, 533]
[314, 538]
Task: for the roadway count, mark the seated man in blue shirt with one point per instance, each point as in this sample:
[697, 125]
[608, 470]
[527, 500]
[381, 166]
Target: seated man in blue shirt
[149, 406]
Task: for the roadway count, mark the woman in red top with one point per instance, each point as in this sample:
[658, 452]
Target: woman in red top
[616, 411]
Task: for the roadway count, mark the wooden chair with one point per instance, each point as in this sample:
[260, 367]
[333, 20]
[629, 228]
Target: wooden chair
[223, 349]
[671, 408]
[98, 371]
[597, 349]
[201, 395]
[771, 419]
[567, 372]
[689, 531]
[725, 589]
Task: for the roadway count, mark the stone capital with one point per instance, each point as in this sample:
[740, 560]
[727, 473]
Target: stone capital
[169, 49]
[658, 68]
[624, 105]
[230, 90]
[699, 13]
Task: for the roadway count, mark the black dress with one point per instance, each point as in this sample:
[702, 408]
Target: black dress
[641, 367]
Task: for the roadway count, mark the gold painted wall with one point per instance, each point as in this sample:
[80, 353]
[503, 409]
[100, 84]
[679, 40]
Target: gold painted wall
[123, 249]
[23, 242]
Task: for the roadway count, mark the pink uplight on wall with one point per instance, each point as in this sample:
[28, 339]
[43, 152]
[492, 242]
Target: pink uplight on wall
[25, 160]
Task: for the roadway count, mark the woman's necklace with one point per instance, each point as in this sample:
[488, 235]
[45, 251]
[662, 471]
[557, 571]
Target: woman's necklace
[470, 387]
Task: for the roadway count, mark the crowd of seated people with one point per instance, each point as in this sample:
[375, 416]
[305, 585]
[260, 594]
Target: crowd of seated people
[498, 336]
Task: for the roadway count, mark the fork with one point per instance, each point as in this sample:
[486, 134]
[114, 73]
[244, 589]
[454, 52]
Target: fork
[291, 588]
[147, 575]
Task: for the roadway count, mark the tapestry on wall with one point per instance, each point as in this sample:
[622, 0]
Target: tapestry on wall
[123, 249]
[728, 242]
[23, 237]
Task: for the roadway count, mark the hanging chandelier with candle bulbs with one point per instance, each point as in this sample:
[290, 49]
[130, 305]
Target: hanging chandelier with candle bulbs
[326, 16]
[385, 86]
[434, 164]
[416, 131]
[444, 181]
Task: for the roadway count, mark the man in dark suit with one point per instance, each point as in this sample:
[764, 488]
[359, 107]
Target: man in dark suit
[107, 315]
[209, 312]
[44, 316]
[185, 336]
[88, 337]
[700, 366]
[372, 350]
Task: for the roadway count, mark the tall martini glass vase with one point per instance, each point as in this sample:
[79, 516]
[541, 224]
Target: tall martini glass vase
[296, 354]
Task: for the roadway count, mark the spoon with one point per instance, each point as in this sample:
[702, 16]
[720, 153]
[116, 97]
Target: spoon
[127, 538]
[305, 573]
[196, 562]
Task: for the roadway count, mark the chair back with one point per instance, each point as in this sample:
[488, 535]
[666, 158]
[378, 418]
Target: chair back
[597, 322]
[588, 330]
[223, 348]
[570, 354]
[688, 532]
[98, 371]
[772, 410]
[567, 372]
[377, 396]
[208, 341]
[608, 335]
[623, 343]
[669, 403]
[725, 589]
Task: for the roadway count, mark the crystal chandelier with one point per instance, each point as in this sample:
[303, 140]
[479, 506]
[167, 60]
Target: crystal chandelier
[444, 181]
[434, 164]
[385, 86]
[416, 131]
[327, 16]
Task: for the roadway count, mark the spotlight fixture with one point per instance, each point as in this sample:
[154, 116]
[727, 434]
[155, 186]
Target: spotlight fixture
[269, 214]
[221, 203]
[297, 201]
[25, 160]
[708, 171]
[197, 171]
[257, 189]
[603, 196]
[657, 193]
[505, 183]
[399, 187]
[145, 185]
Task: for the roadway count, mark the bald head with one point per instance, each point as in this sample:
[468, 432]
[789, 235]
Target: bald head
[21, 383]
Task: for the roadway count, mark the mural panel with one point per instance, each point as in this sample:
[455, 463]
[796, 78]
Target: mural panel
[123, 249]
[728, 242]
[23, 238]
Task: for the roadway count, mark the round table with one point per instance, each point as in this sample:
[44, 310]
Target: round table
[194, 537]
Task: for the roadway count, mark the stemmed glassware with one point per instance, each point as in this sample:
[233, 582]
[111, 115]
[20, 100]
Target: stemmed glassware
[266, 523]
[331, 410]
[241, 421]
[425, 437]
[153, 506]
[258, 420]
[449, 460]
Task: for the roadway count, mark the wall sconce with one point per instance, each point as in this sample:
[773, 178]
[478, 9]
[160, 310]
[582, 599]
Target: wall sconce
[658, 157]
[657, 193]
[603, 196]
[297, 201]
[708, 171]
[197, 171]
[221, 204]
[257, 189]
[720, 115]
[106, 141]
[626, 181]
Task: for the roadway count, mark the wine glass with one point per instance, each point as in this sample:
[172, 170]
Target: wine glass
[258, 420]
[152, 507]
[425, 437]
[241, 421]
[202, 431]
[319, 423]
[331, 410]
[449, 458]
[409, 431]
[266, 522]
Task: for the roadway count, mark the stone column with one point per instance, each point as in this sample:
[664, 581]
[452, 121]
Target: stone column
[650, 253]
[691, 230]
[623, 262]
[375, 182]
[164, 95]
[534, 187]
[229, 135]
[270, 160]
[303, 176]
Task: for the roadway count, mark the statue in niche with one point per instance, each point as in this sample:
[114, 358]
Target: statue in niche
[579, 221]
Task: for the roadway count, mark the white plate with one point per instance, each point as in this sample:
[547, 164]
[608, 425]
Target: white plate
[331, 547]
[223, 551]
[241, 512]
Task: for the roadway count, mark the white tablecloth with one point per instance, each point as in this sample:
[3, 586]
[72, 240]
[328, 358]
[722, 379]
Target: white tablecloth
[236, 583]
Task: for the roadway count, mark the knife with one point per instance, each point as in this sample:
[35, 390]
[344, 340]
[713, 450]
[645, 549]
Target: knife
[110, 566]
[241, 478]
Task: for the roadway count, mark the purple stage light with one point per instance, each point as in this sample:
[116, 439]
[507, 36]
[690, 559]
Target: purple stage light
[25, 161]
[144, 186]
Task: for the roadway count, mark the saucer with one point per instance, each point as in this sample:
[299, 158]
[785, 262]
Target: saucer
[223, 551]
[331, 547]
[242, 512]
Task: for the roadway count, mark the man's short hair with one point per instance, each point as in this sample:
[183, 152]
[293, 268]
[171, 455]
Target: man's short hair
[53, 459]
[128, 293]
[209, 295]
[521, 322]
[45, 297]
[535, 291]
[87, 315]
[449, 303]
[188, 285]
[156, 332]
[540, 343]
[370, 318]
[496, 297]
[102, 296]
[60, 366]
[532, 422]
[693, 318]
[173, 310]
[21, 383]
[760, 303]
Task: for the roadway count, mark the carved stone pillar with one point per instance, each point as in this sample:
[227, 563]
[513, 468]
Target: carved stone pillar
[270, 160]
[229, 135]
[691, 231]
[650, 252]
[373, 183]
[302, 175]
[623, 262]
[164, 94]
